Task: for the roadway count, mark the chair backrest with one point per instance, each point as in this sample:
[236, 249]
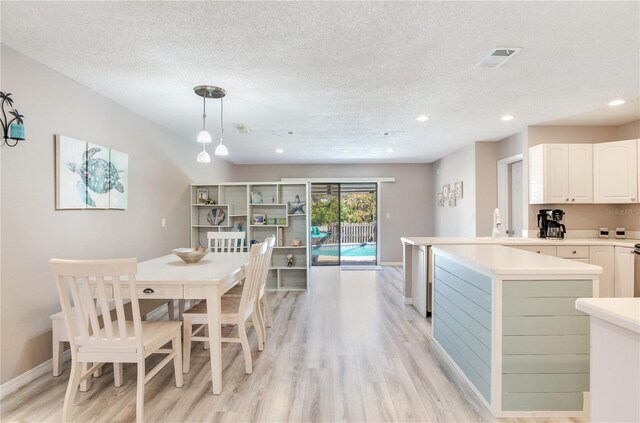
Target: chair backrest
[80, 281]
[271, 242]
[226, 242]
[253, 278]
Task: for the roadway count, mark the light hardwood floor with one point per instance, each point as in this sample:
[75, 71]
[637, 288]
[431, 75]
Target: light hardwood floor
[346, 350]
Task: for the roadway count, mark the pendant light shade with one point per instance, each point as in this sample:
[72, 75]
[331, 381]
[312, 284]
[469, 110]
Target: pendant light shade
[204, 137]
[221, 150]
[203, 157]
[209, 91]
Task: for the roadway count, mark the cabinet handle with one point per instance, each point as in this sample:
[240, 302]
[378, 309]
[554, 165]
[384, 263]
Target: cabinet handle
[566, 199]
[148, 291]
[574, 252]
[573, 199]
[538, 251]
[633, 199]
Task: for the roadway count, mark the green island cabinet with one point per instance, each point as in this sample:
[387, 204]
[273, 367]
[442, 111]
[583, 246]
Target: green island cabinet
[261, 209]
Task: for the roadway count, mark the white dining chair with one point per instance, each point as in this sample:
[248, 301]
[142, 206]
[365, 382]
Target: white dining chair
[117, 340]
[226, 242]
[234, 311]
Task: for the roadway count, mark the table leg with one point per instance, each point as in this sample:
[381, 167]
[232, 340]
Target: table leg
[215, 337]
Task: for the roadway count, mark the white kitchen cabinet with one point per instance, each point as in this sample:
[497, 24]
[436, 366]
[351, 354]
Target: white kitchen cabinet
[561, 173]
[419, 275]
[615, 172]
[624, 272]
[603, 256]
[549, 250]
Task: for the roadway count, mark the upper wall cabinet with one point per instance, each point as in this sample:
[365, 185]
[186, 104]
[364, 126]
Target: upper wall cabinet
[615, 172]
[561, 173]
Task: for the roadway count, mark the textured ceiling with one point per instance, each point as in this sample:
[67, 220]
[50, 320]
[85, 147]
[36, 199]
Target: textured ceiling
[341, 74]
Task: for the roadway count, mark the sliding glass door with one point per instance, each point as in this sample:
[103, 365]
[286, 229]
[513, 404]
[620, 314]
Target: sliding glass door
[344, 224]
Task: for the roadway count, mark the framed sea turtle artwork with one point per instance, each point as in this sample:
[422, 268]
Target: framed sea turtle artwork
[89, 176]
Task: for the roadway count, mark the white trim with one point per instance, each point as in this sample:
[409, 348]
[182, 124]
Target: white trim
[503, 189]
[338, 180]
[408, 301]
[30, 375]
[391, 263]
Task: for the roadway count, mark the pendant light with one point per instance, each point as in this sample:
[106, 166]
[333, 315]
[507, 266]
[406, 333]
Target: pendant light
[209, 91]
[221, 149]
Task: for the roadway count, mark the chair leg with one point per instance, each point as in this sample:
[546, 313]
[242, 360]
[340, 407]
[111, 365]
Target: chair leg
[58, 354]
[255, 318]
[260, 314]
[181, 308]
[267, 310]
[117, 374]
[206, 334]
[186, 343]
[86, 384]
[177, 360]
[140, 392]
[171, 309]
[242, 334]
[72, 389]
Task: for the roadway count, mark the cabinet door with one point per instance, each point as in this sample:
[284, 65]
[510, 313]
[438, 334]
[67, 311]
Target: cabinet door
[615, 172]
[581, 173]
[419, 280]
[556, 173]
[624, 272]
[602, 255]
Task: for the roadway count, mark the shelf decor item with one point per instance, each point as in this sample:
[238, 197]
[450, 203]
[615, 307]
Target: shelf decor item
[256, 197]
[216, 216]
[457, 189]
[11, 129]
[296, 243]
[259, 219]
[296, 206]
[90, 176]
[203, 195]
[289, 259]
[281, 221]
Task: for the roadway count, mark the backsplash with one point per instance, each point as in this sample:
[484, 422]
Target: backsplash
[593, 216]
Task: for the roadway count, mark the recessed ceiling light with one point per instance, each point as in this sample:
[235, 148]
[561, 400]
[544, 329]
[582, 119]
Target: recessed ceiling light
[422, 118]
[344, 150]
[507, 117]
[279, 150]
[390, 150]
[616, 102]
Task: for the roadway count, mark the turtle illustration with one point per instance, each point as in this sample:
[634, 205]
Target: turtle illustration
[97, 175]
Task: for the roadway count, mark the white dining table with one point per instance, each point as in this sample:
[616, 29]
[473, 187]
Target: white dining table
[168, 277]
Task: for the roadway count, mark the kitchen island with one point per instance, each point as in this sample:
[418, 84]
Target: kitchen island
[506, 319]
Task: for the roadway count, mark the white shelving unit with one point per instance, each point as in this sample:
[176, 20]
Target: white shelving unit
[240, 202]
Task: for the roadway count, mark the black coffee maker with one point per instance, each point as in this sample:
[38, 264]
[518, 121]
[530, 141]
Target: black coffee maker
[549, 224]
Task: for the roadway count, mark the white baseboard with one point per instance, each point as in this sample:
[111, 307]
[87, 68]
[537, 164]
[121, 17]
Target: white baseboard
[30, 375]
[391, 263]
[408, 301]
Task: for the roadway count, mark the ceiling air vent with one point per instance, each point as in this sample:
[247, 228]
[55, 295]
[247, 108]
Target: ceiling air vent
[497, 57]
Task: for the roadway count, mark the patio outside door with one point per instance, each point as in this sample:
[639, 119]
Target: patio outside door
[344, 224]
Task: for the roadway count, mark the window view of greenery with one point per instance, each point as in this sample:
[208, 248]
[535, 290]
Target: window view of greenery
[355, 208]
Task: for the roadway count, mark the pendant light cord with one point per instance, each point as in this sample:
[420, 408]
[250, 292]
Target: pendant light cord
[221, 114]
[204, 112]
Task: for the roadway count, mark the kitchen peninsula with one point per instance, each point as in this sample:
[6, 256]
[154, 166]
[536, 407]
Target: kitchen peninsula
[506, 320]
[613, 255]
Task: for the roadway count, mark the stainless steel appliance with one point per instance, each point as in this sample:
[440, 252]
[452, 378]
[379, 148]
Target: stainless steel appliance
[549, 224]
[636, 273]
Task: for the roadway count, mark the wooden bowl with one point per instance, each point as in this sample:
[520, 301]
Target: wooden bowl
[190, 255]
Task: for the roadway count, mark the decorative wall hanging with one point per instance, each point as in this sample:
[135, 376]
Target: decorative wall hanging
[445, 190]
[11, 129]
[457, 189]
[90, 176]
[440, 199]
[452, 199]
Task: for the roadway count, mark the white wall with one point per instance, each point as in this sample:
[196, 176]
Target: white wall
[461, 219]
[409, 200]
[161, 165]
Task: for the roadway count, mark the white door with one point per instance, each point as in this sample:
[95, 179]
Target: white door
[581, 173]
[615, 167]
[624, 272]
[515, 199]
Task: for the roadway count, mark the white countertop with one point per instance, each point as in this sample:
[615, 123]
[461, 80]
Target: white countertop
[623, 312]
[517, 241]
[500, 260]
